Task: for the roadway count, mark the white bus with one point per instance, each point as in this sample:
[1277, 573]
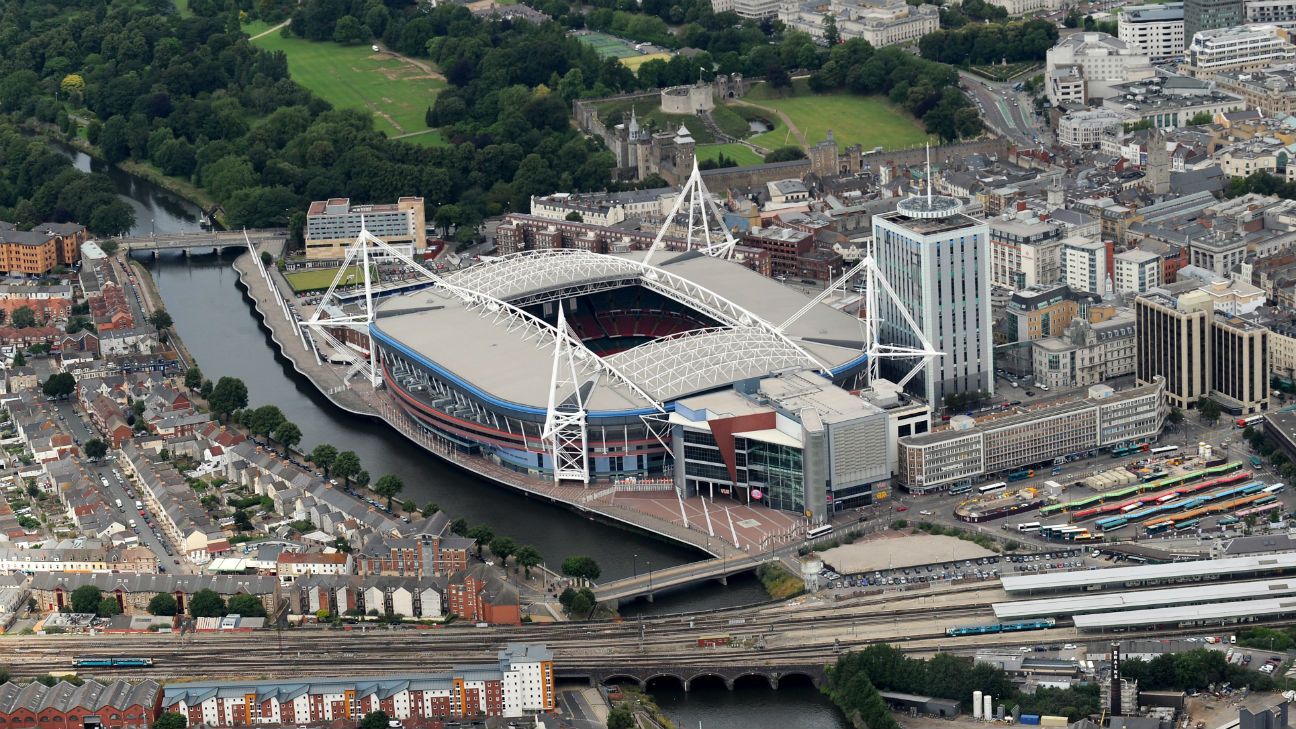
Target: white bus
[960, 488]
[1164, 450]
[1167, 498]
[1029, 526]
[1275, 489]
[819, 531]
[1131, 507]
[992, 488]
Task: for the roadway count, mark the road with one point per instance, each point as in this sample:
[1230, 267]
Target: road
[1008, 112]
[83, 432]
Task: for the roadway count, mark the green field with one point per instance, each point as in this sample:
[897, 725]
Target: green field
[318, 279]
[869, 121]
[256, 27]
[397, 92]
[608, 46]
[737, 152]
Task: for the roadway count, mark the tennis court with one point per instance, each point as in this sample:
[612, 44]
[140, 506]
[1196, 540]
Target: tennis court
[608, 46]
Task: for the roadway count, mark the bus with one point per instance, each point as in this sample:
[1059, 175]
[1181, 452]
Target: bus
[819, 531]
[1021, 474]
[1249, 420]
[960, 488]
[1164, 450]
[992, 488]
[1227, 520]
[1167, 498]
[1028, 526]
[1274, 489]
[1131, 507]
[1184, 526]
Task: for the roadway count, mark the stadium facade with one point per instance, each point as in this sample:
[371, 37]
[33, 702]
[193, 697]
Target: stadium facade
[474, 362]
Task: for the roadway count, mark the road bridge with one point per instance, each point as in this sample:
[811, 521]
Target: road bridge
[685, 675]
[650, 583]
[216, 241]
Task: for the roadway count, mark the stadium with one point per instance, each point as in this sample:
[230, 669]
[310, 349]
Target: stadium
[502, 358]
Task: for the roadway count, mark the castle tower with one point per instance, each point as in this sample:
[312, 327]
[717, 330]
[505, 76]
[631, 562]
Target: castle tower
[685, 150]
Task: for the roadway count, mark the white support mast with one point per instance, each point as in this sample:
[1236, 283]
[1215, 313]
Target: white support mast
[874, 280]
[329, 313]
[564, 432]
[695, 200]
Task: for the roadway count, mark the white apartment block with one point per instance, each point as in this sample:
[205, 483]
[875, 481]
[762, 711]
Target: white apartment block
[1270, 11]
[1242, 48]
[1084, 264]
[1022, 7]
[1088, 65]
[1157, 30]
[1025, 251]
[1136, 271]
[1083, 129]
[332, 225]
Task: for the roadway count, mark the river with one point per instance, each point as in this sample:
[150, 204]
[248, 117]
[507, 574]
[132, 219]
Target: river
[220, 328]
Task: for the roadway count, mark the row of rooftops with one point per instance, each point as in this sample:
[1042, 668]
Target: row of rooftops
[90, 696]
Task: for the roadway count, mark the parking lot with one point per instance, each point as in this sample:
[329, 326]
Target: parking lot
[983, 568]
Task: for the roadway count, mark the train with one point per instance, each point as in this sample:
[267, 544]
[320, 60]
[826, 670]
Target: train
[111, 662]
[1043, 624]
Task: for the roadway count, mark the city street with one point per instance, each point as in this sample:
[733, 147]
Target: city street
[1008, 112]
[126, 492]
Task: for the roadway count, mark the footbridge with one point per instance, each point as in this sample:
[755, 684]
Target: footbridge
[650, 583]
[687, 676]
[197, 242]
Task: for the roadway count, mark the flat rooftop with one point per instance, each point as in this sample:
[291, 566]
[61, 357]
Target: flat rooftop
[1196, 569]
[1194, 613]
[1114, 601]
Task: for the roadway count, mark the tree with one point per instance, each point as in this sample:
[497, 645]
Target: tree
[171, 720]
[1175, 416]
[72, 84]
[206, 604]
[228, 395]
[388, 486]
[108, 607]
[160, 320]
[242, 521]
[361, 479]
[322, 455]
[459, 527]
[374, 720]
[574, 216]
[86, 598]
[528, 557]
[1208, 409]
[247, 606]
[346, 465]
[581, 567]
[621, 717]
[409, 506]
[95, 449]
[831, 35]
[565, 598]
[582, 604]
[162, 604]
[262, 421]
[59, 384]
[23, 317]
[193, 378]
[503, 548]
[20, 360]
[430, 508]
[288, 435]
[481, 534]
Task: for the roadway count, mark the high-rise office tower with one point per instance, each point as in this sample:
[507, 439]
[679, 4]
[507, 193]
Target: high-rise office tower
[1210, 14]
[938, 260]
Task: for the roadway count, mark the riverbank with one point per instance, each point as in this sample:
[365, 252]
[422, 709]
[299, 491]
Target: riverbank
[183, 189]
[152, 301]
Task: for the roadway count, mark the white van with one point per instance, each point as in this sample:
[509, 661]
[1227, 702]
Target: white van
[119, 503]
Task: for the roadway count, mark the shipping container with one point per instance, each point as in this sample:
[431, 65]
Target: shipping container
[1053, 721]
[1030, 719]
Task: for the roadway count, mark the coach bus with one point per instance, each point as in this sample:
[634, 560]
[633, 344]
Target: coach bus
[1028, 526]
[819, 531]
[1164, 450]
[1249, 420]
[960, 488]
[992, 488]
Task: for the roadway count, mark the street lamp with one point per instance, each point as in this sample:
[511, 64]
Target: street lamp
[634, 564]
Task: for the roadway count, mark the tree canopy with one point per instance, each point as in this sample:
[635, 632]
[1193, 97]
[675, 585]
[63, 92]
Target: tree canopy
[206, 604]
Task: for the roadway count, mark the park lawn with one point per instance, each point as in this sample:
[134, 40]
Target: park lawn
[731, 123]
[395, 91]
[256, 27]
[319, 279]
[739, 153]
[869, 121]
[183, 7]
[430, 138]
[634, 62]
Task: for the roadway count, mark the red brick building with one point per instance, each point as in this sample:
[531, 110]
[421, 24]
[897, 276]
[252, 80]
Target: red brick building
[116, 705]
[478, 595]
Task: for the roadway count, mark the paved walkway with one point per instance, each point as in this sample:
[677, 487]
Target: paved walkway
[783, 117]
[268, 31]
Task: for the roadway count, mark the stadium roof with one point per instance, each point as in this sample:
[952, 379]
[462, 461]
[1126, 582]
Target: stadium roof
[1116, 601]
[1198, 569]
[494, 352]
[1185, 613]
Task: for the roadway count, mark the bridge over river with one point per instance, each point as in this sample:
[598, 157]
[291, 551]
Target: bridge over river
[198, 242]
[648, 584]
